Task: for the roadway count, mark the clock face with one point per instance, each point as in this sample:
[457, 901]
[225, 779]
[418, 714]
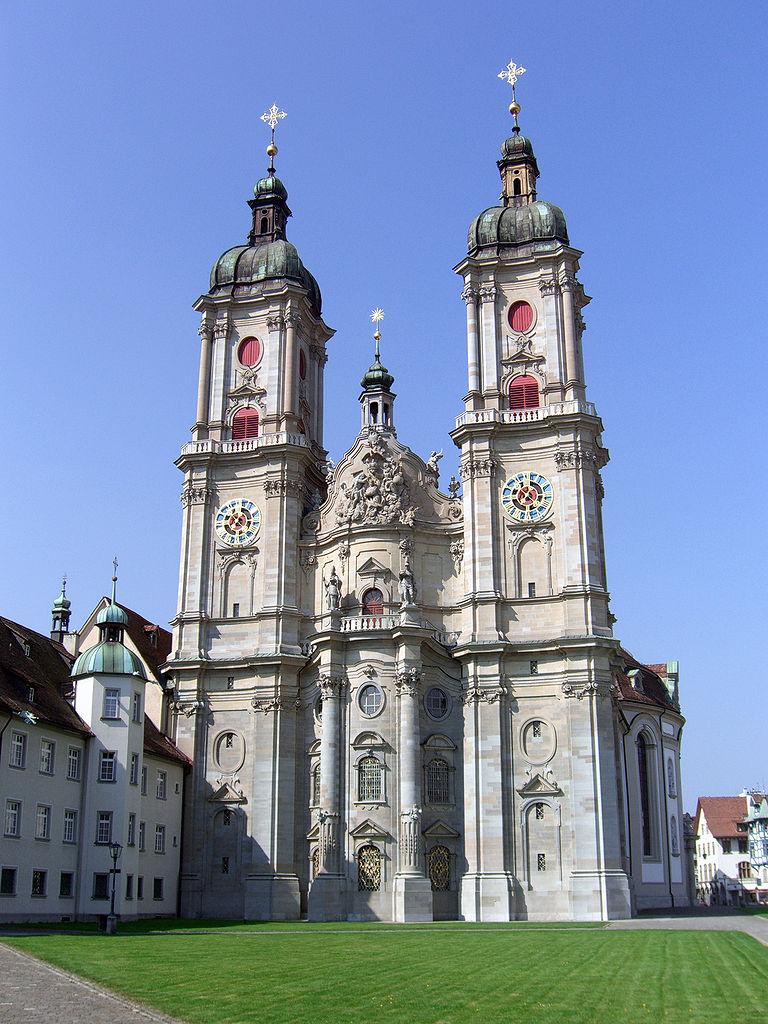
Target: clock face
[527, 497]
[237, 522]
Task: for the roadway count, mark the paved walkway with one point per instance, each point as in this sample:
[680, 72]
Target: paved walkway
[704, 921]
[32, 991]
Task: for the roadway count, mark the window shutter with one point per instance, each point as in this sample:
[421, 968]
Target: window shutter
[245, 424]
[520, 316]
[524, 393]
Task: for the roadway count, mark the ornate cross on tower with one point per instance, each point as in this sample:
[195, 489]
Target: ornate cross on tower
[510, 75]
[272, 117]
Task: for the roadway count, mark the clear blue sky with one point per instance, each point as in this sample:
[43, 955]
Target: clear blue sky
[131, 142]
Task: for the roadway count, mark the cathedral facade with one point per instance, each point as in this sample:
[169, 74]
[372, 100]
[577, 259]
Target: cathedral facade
[404, 701]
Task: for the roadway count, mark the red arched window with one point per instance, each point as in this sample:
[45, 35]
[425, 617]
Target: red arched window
[302, 364]
[524, 393]
[373, 602]
[245, 424]
[520, 316]
[249, 351]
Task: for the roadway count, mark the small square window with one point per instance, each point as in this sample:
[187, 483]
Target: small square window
[539, 812]
[111, 704]
[536, 730]
[66, 885]
[534, 668]
[230, 682]
[531, 590]
[225, 865]
[101, 886]
[39, 882]
[236, 611]
[541, 862]
[8, 882]
[157, 889]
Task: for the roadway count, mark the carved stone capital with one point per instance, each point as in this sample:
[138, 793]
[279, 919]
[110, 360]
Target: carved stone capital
[275, 703]
[488, 293]
[581, 690]
[407, 682]
[581, 457]
[189, 708]
[292, 318]
[473, 468]
[567, 281]
[221, 329]
[457, 553]
[482, 695]
[274, 323]
[547, 285]
[205, 330]
[195, 496]
[332, 686]
[469, 294]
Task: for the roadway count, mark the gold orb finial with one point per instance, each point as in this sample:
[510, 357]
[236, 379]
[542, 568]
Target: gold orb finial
[514, 108]
[271, 150]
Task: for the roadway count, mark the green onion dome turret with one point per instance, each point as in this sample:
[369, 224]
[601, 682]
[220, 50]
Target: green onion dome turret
[109, 656]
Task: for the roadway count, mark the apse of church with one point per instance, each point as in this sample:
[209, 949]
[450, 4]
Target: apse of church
[399, 696]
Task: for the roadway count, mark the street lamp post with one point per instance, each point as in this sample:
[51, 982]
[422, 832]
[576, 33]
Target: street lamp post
[115, 849]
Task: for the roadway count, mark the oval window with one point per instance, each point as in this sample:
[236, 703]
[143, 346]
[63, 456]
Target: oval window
[436, 702]
[539, 741]
[521, 316]
[229, 751]
[371, 700]
[249, 351]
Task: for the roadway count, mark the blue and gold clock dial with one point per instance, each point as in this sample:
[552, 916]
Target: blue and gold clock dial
[238, 522]
[527, 497]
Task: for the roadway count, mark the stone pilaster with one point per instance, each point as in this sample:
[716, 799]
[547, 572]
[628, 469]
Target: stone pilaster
[326, 894]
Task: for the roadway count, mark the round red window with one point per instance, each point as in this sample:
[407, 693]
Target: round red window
[302, 364]
[520, 316]
[249, 351]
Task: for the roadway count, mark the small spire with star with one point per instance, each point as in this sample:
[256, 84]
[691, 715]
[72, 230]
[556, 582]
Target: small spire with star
[270, 196]
[518, 167]
[60, 613]
[377, 398]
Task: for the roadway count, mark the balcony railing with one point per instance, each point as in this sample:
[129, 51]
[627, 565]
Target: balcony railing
[571, 408]
[250, 444]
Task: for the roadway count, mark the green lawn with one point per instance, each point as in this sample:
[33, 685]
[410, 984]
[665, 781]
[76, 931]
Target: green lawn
[437, 975]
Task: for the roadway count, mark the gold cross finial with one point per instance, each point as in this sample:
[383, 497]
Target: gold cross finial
[510, 75]
[377, 315]
[271, 117]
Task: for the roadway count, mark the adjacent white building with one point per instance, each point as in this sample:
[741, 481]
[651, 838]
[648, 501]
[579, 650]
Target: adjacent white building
[83, 766]
[731, 852]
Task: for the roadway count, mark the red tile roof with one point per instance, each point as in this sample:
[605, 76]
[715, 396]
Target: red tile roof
[158, 745]
[723, 815]
[45, 671]
[653, 692]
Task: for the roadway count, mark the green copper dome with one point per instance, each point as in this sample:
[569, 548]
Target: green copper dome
[270, 186]
[517, 146]
[377, 376]
[515, 225]
[264, 261]
[109, 657]
[112, 615]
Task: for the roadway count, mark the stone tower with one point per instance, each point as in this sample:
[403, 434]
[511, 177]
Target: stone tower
[536, 629]
[254, 466]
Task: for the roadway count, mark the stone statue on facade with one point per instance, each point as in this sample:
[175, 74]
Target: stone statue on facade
[407, 585]
[333, 591]
[432, 467]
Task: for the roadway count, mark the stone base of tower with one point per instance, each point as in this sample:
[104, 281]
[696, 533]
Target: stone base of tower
[600, 896]
[412, 899]
[327, 898]
[272, 898]
[487, 897]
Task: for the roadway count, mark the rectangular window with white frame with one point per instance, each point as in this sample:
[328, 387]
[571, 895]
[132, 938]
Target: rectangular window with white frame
[157, 889]
[144, 781]
[101, 886]
[159, 838]
[162, 785]
[129, 887]
[131, 840]
[140, 887]
[134, 776]
[111, 704]
[43, 822]
[104, 828]
[142, 837]
[39, 882]
[107, 766]
[136, 707]
[74, 756]
[66, 885]
[18, 755]
[47, 756]
[70, 825]
[12, 818]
